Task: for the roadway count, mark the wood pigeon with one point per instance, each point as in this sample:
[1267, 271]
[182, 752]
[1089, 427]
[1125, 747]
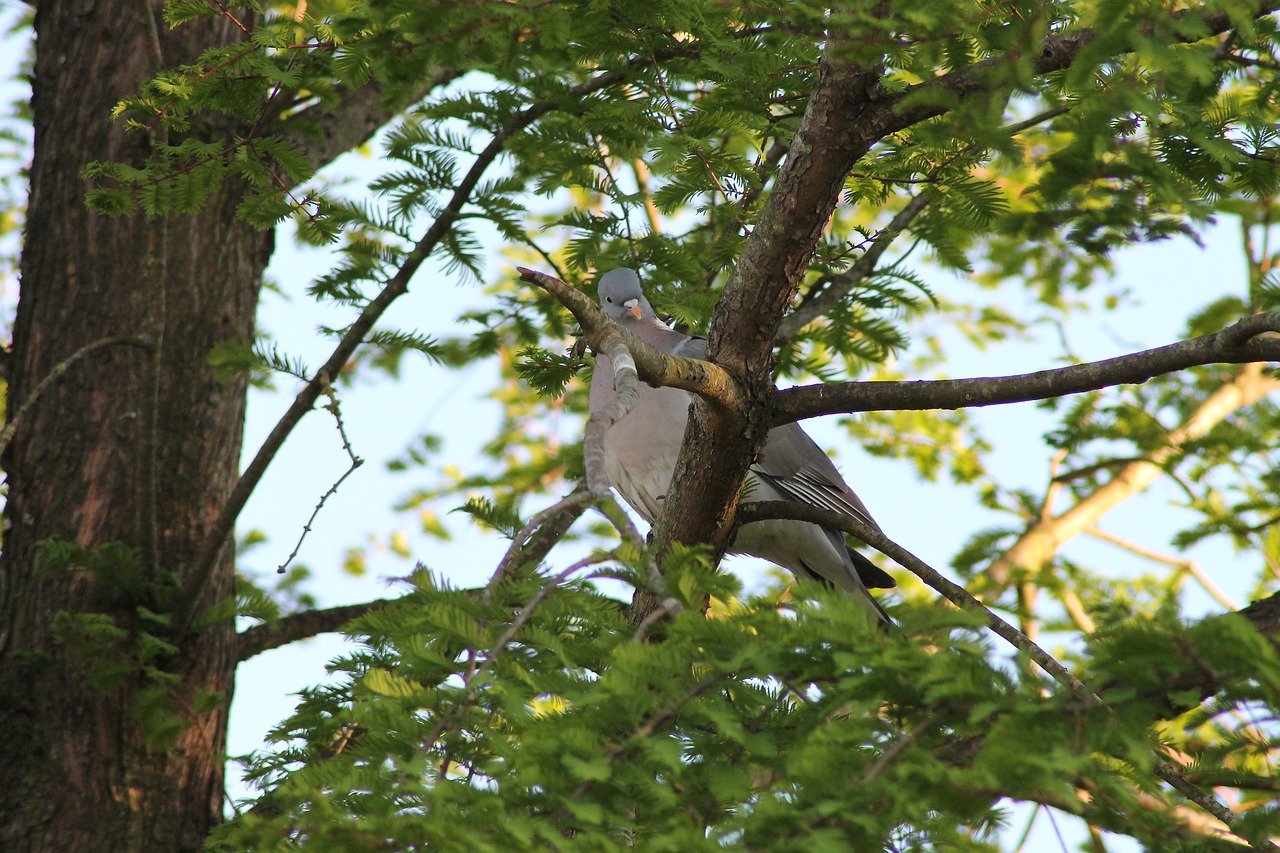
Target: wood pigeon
[642, 447]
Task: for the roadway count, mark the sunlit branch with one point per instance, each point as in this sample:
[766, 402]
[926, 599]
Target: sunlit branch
[1191, 567]
[1037, 544]
[652, 365]
[641, 171]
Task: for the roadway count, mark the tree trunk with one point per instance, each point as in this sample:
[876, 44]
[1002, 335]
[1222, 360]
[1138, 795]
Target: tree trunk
[133, 445]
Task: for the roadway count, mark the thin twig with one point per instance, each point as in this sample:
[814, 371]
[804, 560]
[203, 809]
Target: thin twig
[675, 117]
[862, 269]
[1191, 567]
[1094, 467]
[956, 594]
[334, 409]
[1075, 611]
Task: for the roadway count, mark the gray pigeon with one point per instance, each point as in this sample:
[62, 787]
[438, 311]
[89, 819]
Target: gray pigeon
[641, 450]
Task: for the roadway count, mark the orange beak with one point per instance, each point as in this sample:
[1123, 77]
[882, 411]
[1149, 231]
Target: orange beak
[633, 307]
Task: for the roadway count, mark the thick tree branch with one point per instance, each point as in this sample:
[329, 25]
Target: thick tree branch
[1244, 342]
[847, 113]
[720, 443]
[300, 626]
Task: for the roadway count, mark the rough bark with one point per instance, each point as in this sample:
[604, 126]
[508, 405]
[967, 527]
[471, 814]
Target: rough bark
[78, 771]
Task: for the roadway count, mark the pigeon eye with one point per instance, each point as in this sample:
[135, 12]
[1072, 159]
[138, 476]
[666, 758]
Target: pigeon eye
[609, 300]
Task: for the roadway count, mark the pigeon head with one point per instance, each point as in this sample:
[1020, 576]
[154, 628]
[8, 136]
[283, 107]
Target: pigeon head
[621, 297]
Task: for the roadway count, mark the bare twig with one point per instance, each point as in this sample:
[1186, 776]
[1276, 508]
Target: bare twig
[306, 528]
[334, 409]
[1055, 483]
[1094, 468]
[1055, 53]
[841, 285]
[675, 118]
[766, 165]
